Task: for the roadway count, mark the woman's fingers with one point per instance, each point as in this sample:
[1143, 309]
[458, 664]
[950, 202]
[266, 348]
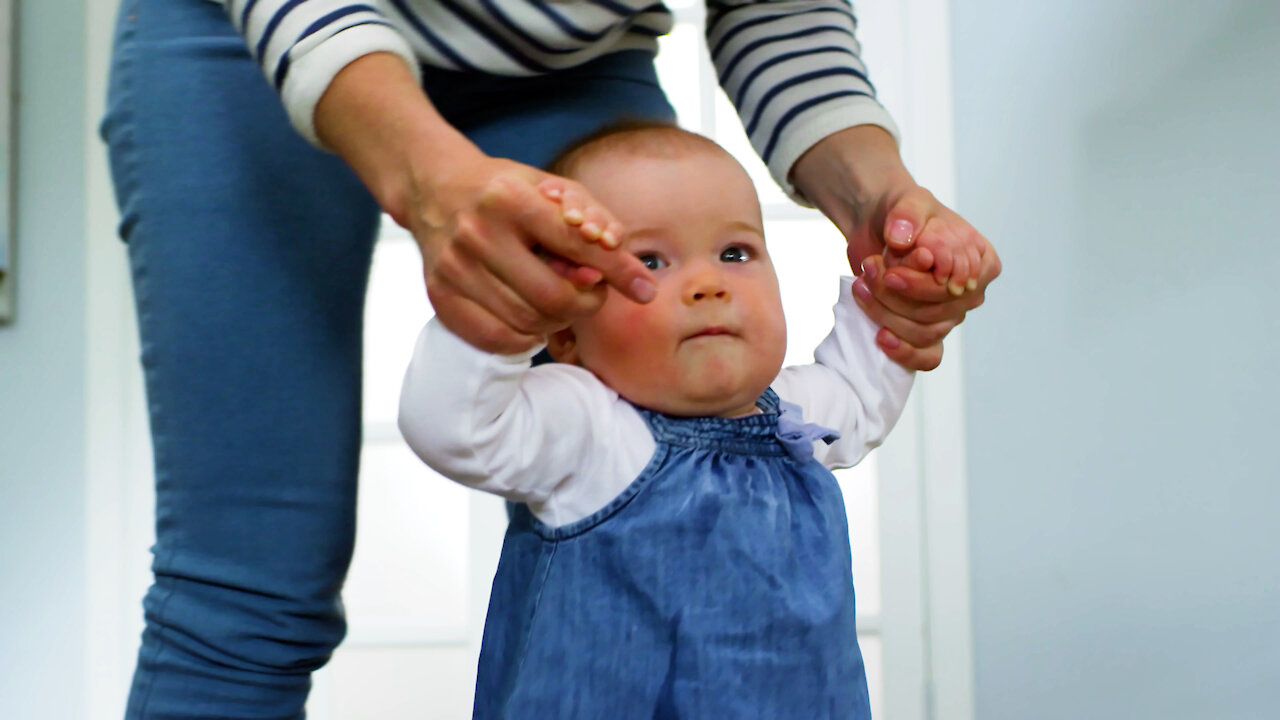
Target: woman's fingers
[914, 333]
[909, 356]
[463, 269]
[539, 223]
[515, 253]
[476, 324]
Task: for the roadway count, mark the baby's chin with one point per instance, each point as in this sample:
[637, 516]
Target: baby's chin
[737, 403]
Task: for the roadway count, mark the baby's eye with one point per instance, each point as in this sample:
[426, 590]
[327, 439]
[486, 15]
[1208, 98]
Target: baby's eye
[652, 261]
[735, 254]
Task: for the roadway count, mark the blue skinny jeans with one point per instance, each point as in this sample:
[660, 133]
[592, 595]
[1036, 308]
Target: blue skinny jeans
[250, 254]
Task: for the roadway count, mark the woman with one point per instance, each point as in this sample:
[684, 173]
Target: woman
[250, 249]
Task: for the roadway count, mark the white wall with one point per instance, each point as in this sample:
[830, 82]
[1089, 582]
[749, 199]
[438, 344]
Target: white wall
[1122, 404]
[42, 403]
[1120, 417]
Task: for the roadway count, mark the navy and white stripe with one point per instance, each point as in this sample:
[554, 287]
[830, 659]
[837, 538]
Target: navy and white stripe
[792, 67]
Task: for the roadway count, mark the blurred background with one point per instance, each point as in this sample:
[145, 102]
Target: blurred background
[1078, 517]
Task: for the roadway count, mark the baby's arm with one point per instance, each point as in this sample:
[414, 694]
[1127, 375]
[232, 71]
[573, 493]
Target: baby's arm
[547, 436]
[852, 387]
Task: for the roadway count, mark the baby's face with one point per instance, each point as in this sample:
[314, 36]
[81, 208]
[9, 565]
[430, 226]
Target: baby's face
[714, 337]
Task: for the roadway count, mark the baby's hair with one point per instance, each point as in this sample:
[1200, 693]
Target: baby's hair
[652, 138]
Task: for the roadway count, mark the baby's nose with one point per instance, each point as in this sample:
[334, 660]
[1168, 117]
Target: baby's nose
[706, 285]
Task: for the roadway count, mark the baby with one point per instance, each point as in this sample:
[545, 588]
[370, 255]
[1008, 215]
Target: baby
[681, 547]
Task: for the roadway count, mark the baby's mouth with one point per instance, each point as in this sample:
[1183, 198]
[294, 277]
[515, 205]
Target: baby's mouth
[711, 331]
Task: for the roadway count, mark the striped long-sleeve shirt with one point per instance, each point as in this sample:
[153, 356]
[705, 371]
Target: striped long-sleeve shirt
[791, 67]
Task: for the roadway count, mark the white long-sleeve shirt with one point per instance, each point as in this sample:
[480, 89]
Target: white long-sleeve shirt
[791, 67]
[557, 438]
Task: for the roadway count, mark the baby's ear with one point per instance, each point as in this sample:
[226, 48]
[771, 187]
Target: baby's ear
[563, 346]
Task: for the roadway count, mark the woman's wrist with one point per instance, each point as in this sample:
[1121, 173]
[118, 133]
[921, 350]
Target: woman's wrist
[849, 174]
[376, 118]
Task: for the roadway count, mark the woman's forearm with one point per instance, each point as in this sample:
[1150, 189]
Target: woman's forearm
[848, 174]
[376, 117]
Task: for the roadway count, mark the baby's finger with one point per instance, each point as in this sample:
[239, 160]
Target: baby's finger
[936, 237]
[920, 259]
[572, 205]
[612, 235]
[594, 222]
[552, 187]
[975, 267]
[959, 273]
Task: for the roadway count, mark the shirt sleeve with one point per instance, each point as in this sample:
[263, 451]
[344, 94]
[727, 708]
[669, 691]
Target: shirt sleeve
[852, 386]
[553, 436]
[793, 69]
[301, 45]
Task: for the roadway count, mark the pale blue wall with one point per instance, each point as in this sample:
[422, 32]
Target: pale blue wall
[1123, 407]
[42, 523]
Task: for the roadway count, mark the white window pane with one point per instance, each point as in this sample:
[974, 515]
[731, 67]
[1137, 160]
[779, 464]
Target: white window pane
[679, 64]
[409, 580]
[810, 258]
[873, 658]
[395, 310]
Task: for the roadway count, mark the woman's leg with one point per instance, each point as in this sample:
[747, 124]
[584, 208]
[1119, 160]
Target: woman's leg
[250, 253]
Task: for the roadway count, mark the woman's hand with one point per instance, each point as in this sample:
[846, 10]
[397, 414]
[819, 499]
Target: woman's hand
[856, 178]
[481, 223]
[486, 235]
[911, 331]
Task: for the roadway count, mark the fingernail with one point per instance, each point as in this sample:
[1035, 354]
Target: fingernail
[861, 291]
[900, 232]
[889, 340]
[554, 193]
[955, 289]
[971, 284]
[591, 230]
[609, 239]
[643, 290]
[870, 269]
[895, 282]
[573, 215]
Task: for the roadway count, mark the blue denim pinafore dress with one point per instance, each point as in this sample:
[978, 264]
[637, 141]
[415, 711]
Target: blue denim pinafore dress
[718, 585]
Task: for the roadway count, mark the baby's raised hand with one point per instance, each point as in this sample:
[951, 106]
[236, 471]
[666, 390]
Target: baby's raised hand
[946, 246]
[580, 210]
[594, 224]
